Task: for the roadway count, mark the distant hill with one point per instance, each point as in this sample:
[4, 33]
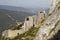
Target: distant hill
[13, 8]
[8, 17]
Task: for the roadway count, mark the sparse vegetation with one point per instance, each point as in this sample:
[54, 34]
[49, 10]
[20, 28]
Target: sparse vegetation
[42, 21]
[58, 7]
[0, 36]
[29, 35]
[59, 2]
[50, 14]
[46, 24]
[54, 27]
[15, 27]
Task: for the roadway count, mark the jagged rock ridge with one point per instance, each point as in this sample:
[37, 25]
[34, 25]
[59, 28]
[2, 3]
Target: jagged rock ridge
[51, 25]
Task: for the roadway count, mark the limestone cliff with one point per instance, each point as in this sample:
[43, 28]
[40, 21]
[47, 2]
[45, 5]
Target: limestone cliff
[51, 25]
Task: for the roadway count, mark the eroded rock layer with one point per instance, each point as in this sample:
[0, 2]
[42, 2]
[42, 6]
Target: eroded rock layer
[51, 25]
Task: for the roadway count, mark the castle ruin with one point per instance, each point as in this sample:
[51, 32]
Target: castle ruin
[45, 24]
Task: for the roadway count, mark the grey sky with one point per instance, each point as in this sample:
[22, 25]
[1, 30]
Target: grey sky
[26, 3]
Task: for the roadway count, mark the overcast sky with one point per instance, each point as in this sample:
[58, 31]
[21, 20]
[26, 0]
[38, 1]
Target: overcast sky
[26, 3]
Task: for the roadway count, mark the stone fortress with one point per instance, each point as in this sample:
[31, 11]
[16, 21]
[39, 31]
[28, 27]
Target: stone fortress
[29, 22]
[45, 23]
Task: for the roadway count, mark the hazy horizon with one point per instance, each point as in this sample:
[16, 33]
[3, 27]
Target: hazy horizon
[27, 3]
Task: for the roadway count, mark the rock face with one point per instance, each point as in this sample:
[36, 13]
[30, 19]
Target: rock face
[53, 5]
[52, 24]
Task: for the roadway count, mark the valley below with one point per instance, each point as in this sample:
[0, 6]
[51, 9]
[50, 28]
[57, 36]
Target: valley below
[8, 18]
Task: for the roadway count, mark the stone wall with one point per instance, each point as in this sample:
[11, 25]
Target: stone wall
[28, 23]
[12, 33]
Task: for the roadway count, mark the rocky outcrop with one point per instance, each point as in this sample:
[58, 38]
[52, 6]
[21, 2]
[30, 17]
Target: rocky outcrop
[53, 5]
[51, 24]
